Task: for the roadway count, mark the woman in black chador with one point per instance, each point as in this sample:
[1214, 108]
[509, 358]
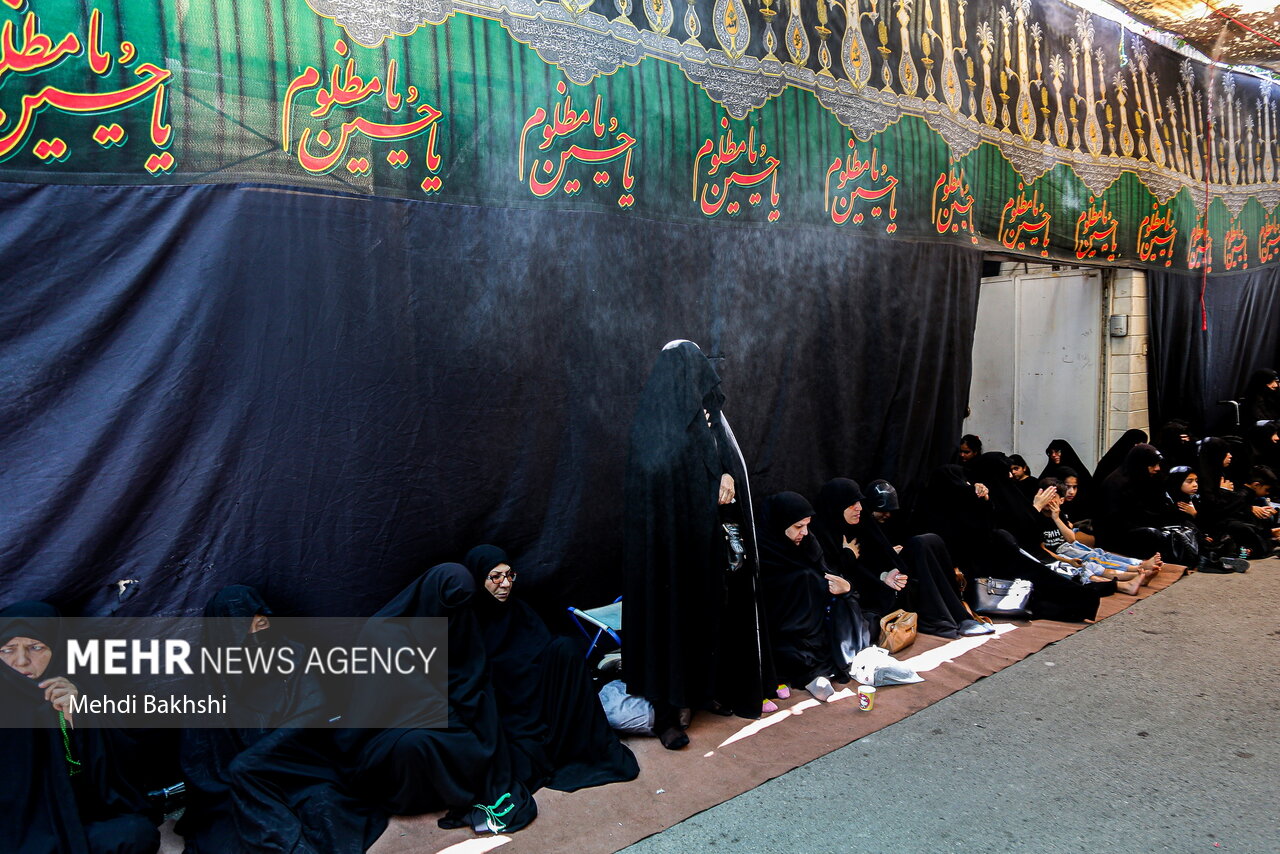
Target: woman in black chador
[62, 790]
[271, 786]
[693, 633]
[816, 622]
[554, 722]
[1262, 397]
[466, 767]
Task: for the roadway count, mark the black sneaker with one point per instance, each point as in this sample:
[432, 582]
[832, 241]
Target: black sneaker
[1235, 564]
[1215, 566]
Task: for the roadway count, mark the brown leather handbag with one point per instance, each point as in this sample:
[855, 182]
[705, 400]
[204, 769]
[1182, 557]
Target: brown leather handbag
[897, 630]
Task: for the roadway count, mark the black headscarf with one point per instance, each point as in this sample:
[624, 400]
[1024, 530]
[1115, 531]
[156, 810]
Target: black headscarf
[679, 607]
[1132, 498]
[47, 809]
[1115, 456]
[1176, 450]
[1266, 451]
[1071, 465]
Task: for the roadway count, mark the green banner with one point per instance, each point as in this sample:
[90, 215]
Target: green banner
[1041, 130]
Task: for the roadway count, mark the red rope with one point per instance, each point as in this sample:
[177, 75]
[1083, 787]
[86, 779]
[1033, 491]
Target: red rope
[1241, 24]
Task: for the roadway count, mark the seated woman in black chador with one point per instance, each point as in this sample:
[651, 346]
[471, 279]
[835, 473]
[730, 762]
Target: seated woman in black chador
[553, 720]
[227, 770]
[917, 576]
[810, 648]
[1013, 539]
[694, 634]
[465, 768]
[62, 789]
[1114, 458]
[1227, 511]
[1261, 397]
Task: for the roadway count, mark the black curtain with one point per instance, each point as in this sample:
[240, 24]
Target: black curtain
[322, 395]
[1191, 368]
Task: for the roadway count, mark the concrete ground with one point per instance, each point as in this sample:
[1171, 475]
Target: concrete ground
[1153, 731]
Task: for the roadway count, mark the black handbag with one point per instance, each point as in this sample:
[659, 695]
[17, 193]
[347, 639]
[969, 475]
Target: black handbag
[999, 597]
[735, 551]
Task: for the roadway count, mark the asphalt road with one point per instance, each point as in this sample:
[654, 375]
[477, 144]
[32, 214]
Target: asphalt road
[1153, 731]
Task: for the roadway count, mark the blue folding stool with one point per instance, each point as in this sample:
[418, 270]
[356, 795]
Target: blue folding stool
[605, 620]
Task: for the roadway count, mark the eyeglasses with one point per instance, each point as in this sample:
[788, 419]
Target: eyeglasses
[497, 578]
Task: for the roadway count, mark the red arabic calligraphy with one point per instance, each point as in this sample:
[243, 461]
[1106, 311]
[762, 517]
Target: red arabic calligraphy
[1156, 234]
[1268, 240]
[853, 184]
[1200, 250]
[553, 129]
[952, 204]
[38, 52]
[1235, 247]
[321, 150]
[1024, 222]
[725, 155]
[1096, 232]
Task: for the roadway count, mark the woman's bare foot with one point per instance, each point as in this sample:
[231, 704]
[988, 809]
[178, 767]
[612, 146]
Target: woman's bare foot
[1130, 587]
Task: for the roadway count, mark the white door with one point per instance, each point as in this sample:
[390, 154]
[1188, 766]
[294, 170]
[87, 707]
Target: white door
[1037, 363]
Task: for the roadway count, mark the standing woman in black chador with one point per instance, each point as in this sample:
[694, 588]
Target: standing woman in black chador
[412, 767]
[694, 638]
[61, 790]
[554, 722]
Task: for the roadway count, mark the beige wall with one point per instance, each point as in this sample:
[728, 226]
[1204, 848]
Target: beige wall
[1126, 375]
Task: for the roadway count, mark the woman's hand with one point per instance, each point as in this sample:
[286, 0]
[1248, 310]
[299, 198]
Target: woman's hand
[895, 580]
[837, 585]
[726, 488]
[1226, 484]
[1188, 508]
[60, 691]
[980, 490]
[1262, 512]
[852, 545]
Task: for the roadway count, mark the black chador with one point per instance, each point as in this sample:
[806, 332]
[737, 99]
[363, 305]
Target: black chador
[554, 723]
[693, 632]
[466, 768]
[814, 633]
[273, 785]
[62, 790]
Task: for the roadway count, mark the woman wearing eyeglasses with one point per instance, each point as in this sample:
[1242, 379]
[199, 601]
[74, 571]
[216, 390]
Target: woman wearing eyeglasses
[555, 725]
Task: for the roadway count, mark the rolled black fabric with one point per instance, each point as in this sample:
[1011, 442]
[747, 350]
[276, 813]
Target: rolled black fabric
[66, 797]
[556, 728]
[693, 635]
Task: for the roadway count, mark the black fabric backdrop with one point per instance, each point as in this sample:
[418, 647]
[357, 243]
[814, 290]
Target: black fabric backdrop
[323, 395]
[1190, 369]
